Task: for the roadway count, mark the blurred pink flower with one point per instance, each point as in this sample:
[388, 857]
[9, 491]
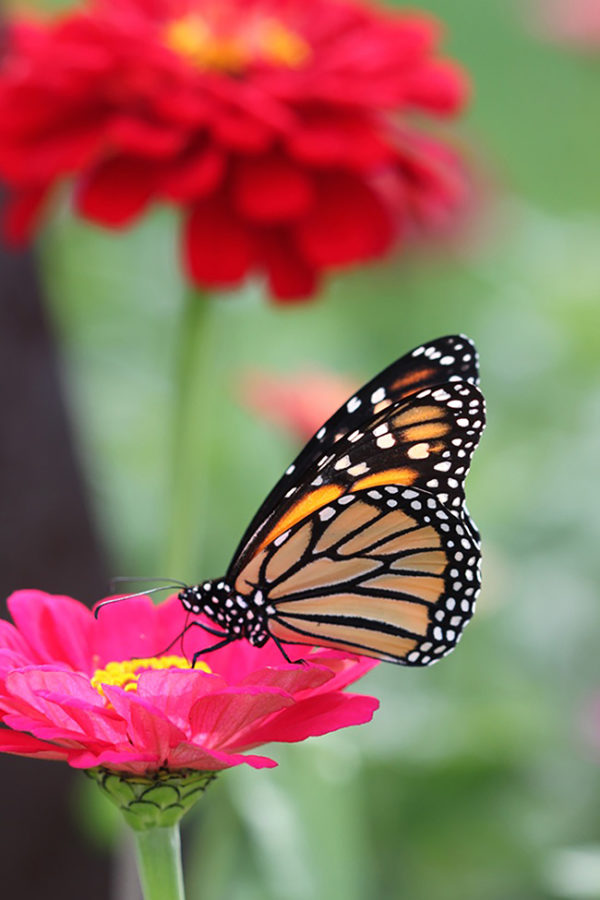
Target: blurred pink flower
[298, 403]
[95, 693]
[572, 22]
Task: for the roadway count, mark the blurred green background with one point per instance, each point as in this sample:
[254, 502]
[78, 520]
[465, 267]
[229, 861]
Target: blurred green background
[477, 779]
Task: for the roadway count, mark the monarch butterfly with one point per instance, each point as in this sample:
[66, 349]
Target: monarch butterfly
[365, 544]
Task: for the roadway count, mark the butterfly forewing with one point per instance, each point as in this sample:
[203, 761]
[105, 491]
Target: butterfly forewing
[438, 362]
[424, 441]
[387, 572]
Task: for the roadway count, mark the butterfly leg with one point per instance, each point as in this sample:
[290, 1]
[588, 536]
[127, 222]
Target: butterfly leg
[186, 629]
[292, 662]
[216, 646]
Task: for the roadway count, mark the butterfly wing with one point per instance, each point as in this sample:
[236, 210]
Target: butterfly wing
[424, 441]
[385, 572]
[444, 360]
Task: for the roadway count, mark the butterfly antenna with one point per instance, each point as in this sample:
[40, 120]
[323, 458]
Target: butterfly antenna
[120, 579]
[164, 587]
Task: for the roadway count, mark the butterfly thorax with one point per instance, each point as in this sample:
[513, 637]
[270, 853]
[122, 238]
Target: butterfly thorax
[239, 617]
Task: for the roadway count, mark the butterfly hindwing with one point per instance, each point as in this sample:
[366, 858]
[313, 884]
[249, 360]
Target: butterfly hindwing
[386, 572]
[438, 362]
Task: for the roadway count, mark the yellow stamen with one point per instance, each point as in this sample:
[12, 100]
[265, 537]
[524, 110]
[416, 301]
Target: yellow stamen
[268, 40]
[125, 674]
[283, 46]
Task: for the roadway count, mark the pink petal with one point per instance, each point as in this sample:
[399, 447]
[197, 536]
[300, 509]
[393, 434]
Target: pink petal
[28, 689]
[148, 730]
[10, 660]
[192, 757]
[215, 720]
[346, 669]
[57, 628]
[11, 639]
[311, 717]
[171, 619]
[173, 692]
[96, 723]
[26, 745]
[291, 679]
[124, 761]
[185, 756]
[127, 630]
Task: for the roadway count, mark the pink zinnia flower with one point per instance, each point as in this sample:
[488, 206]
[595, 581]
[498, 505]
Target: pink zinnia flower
[575, 23]
[94, 692]
[299, 403]
[290, 134]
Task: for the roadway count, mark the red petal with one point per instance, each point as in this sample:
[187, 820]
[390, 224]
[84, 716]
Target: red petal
[195, 177]
[218, 247]
[147, 139]
[332, 138]
[439, 87]
[290, 276]
[117, 191]
[349, 223]
[271, 189]
[21, 213]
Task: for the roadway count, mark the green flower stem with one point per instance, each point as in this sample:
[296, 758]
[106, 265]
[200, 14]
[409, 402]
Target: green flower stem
[190, 439]
[158, 853]
[152, 805]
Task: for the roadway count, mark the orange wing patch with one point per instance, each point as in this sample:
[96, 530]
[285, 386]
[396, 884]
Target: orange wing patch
[417, 415]
[425, 432]
[404, 476]
[301, 509]
[409, 379]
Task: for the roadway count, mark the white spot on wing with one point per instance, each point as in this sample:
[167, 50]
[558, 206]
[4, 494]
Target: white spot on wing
[327, 513]
[418, 451]
[343, 463]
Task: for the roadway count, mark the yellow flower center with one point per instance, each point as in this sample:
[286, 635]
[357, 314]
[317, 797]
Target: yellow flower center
[231, 50]
[126, 674]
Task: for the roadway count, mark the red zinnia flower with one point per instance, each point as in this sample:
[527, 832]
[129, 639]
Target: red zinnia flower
[283, 128]
[94, 693]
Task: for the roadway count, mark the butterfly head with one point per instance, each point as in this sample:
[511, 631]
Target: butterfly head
[240, 617]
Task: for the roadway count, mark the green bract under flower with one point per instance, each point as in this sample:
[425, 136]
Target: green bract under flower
[158, 800]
